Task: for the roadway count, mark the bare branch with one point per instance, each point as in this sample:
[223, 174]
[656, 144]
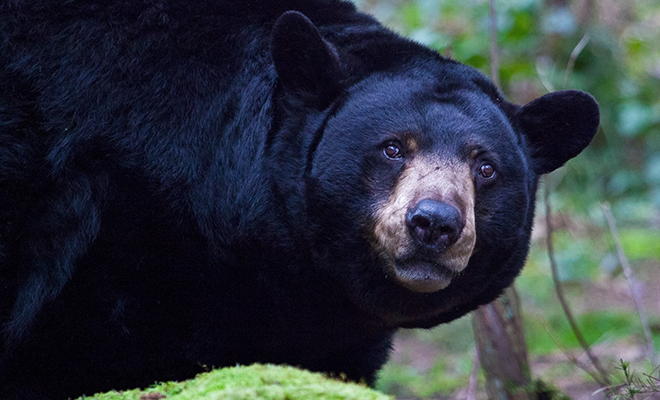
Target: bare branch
[574, 55]
[632, 284]
[604, 380]
[494, 49]
[584, 367]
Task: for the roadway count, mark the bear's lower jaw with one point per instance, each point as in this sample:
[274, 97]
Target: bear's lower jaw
[422, 276]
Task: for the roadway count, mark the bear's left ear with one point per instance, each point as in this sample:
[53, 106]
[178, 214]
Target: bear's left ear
[307, 65]
[558, 127]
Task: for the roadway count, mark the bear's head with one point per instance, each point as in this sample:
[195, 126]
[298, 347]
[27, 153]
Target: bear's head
[418, 178]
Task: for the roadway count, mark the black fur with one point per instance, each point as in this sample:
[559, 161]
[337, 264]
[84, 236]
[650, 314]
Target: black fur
[172, 199]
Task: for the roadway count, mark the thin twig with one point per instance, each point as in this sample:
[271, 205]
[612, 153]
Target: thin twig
[494, 49]
[604, 380]
[632, 284]
[574, 55]
[474, 381]
[549, 87]
[570, 355]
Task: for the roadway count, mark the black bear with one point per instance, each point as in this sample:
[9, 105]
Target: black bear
[187, 184]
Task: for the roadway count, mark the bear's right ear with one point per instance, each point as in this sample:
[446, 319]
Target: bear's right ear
[558, 126]
[307, 65]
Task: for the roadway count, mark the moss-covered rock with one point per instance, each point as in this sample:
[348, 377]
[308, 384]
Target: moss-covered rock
[256, 382]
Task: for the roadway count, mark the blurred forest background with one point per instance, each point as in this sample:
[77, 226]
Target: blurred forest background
[611, 49]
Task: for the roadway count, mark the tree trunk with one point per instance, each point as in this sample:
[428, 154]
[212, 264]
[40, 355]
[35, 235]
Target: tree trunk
[500, 339]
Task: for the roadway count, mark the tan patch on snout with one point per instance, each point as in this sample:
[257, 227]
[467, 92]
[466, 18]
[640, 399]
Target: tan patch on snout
[426, 178]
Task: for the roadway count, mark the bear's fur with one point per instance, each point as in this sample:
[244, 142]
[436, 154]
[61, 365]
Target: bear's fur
[187, 184]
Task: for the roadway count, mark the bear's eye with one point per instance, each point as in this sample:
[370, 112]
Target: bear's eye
[393, 151]
[487, 171]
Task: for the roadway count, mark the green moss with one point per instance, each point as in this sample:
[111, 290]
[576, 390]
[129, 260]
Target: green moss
[256, 382]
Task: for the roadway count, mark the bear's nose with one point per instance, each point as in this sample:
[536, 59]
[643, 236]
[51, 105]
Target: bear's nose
[434, 224]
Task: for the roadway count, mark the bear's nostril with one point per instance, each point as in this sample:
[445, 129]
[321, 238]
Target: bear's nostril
[420, 221]
[421, 228]
[434, 224]
[423, 234]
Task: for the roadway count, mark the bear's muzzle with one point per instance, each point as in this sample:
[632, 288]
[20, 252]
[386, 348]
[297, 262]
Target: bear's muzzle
[425, 232]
